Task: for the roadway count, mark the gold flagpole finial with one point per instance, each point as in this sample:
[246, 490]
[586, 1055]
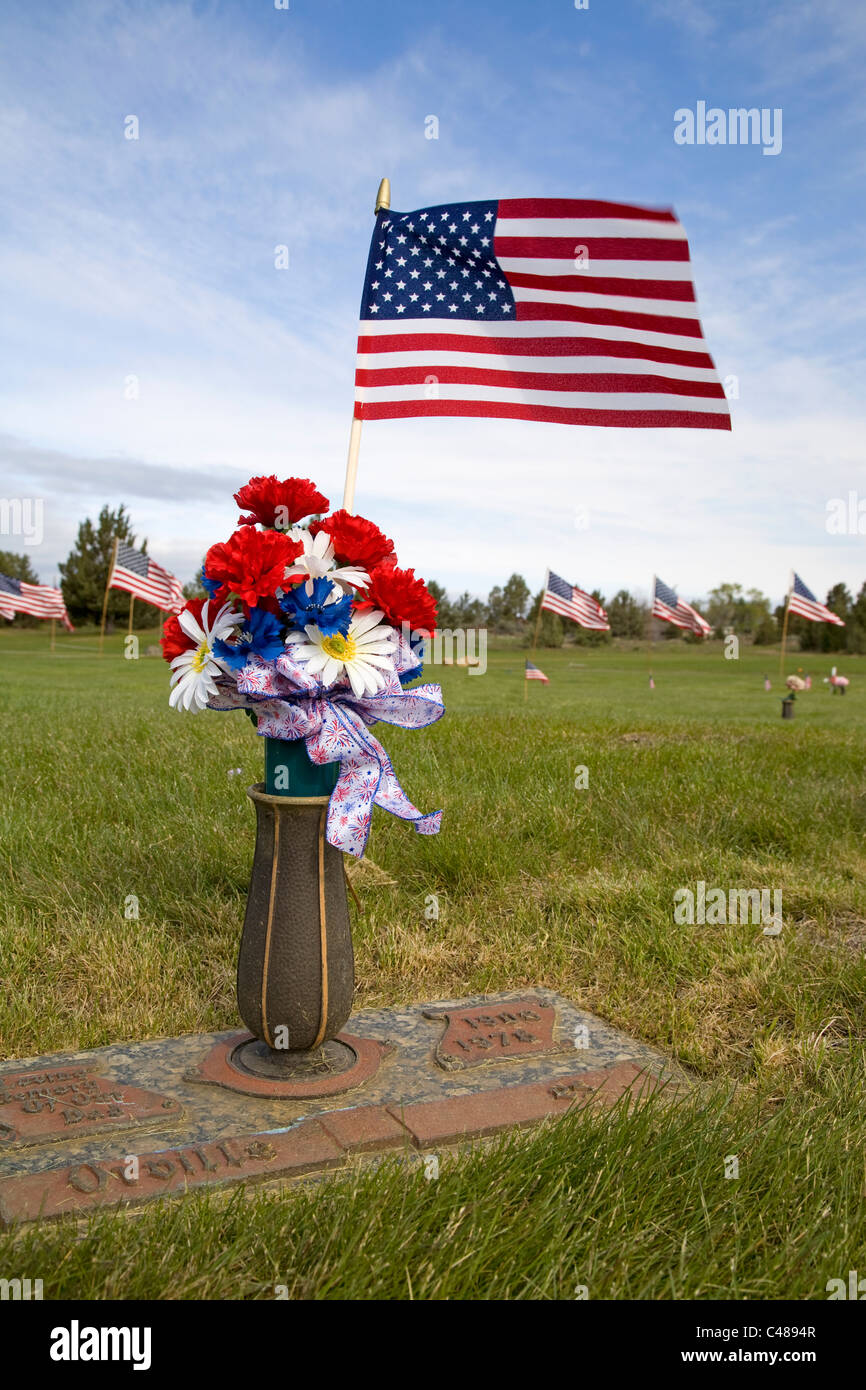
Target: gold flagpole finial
[383, 197]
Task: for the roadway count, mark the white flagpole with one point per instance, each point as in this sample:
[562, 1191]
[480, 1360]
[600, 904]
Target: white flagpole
[383, 201]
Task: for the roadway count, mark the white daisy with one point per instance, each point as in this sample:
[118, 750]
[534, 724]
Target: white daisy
[362, 655]
[318, 559]
[193, 671]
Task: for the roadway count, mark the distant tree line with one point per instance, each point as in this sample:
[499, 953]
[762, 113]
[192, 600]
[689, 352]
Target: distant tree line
[511, 610]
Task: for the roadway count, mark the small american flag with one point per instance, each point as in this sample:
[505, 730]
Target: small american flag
[568, 310]
[672, 609]
[137, 574]
[803, 602]
[534, 673]
[571, 602]
[38, 600]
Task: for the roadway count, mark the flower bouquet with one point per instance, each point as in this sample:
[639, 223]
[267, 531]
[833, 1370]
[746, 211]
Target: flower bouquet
[313, 630]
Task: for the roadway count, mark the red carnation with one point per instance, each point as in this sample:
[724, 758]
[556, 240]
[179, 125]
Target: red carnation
[174, 640]
[402, 598]
[356, 540]
[252, 563]
[271, 501]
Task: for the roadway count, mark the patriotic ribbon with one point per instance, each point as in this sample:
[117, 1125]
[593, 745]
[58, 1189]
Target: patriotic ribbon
[334, 724]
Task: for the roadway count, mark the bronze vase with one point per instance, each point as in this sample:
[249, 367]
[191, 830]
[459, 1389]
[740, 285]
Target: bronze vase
[296, 965]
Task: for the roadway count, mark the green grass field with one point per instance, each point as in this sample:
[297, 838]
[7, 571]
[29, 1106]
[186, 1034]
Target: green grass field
[107, 793]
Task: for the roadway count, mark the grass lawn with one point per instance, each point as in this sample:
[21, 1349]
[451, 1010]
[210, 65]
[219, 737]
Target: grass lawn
[108, 793]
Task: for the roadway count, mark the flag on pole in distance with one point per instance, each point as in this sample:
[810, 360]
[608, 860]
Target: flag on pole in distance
[672, 609]
[569, 310]
[534, 673]
[571, 602]
[37, 600]
[804, 603]
[137, 574]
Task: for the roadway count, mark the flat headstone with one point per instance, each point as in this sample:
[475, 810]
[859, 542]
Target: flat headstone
[133, 1122]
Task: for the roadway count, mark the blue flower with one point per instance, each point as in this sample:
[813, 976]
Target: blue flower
[303, 608]
[261, 635]
[211, 585]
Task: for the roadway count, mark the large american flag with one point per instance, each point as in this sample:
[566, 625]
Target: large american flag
[137, 574]
[803, 602]
[668, 606]
[37, 600]
[571, 602]
[559, 309]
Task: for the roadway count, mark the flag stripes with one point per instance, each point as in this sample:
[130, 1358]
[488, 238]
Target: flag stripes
[136, 574]
[36, 600]
[570, 602]
[534, 673]
[804, 603]
[476, 309]
[668, 606]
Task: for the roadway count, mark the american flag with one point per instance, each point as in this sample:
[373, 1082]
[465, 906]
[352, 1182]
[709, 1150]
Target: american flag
[571, 602]
[673, 609]
[559, 309]
[534, 673]
[803, 602]
[136, 573]
[38, 600]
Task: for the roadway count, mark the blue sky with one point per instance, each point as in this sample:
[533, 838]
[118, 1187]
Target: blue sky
[258, 127]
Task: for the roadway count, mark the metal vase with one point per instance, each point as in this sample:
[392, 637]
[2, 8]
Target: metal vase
[295, 976]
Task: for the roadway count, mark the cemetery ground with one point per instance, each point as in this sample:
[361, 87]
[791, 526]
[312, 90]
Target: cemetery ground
[114, 805]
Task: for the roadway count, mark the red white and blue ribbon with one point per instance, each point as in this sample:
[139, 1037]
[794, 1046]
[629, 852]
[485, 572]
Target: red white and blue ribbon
[334, 722]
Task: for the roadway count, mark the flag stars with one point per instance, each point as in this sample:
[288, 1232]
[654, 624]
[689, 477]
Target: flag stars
[452, 249]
